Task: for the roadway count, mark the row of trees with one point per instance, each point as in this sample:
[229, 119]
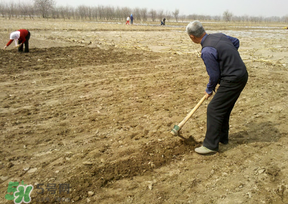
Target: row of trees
[48, 9]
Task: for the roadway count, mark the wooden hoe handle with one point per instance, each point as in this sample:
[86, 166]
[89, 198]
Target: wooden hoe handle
[176, 129]
[192, 112]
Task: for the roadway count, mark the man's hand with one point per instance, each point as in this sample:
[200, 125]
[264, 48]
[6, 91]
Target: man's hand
[5, 47]
[18, 45]
[208, 95]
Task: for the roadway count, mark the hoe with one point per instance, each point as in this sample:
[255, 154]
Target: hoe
[177, 128]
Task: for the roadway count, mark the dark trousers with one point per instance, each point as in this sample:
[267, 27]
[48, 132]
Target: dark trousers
[219, 110]
[20, 49]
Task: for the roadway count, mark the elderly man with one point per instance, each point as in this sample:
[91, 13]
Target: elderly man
[225, 67]
[21, 37]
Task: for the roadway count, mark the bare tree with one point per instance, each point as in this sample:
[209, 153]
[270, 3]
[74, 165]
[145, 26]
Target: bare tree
[109, 12]
[153, 14]
[137, 14]
[176, 14]
[55, 13]
[143, 13]
[227, 16]
[216, 18]
[62, 12]
[255, 19]
[285, 19]
[160, 15]
[89, 12]
[126, 12]
[100, 9]
[26, 9]
[11, 10]
[274, 19]
[167, 15]
[65, 12]
[2, 9]
[82, 11]
[118, 13]
[182, 17]
[44, 7]
[94, 13]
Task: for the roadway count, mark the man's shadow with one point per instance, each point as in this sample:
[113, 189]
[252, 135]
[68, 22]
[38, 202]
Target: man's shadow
[252, 133]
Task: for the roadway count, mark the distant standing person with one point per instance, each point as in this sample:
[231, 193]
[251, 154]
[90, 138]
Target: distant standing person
[21, 37]
[127, 21]
[131, 18]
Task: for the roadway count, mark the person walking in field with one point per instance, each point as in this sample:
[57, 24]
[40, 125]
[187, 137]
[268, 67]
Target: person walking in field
[163, 21]
[21, 37]
[225, 67]
[127, 21]
[131, 18]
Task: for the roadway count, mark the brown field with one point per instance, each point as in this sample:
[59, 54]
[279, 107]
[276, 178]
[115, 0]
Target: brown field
[93, 103]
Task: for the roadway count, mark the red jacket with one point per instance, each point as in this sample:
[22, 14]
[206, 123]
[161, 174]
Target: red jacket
[22, 38]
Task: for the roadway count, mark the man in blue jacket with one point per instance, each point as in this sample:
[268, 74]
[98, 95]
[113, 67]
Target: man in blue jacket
[131, 18]
[225, 67]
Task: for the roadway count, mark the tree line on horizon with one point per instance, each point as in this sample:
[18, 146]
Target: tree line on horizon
[48, 9]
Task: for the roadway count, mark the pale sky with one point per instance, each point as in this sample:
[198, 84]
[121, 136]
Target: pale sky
[263, 8]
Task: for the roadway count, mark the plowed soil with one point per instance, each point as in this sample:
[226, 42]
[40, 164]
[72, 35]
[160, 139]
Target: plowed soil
[92, 105]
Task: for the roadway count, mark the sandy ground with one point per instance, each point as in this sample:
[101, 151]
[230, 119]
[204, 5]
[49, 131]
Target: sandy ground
[92, 106]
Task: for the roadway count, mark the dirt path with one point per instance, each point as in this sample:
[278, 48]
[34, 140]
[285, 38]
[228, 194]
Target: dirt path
[92, 106]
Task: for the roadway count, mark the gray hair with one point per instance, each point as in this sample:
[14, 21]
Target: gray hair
[195, 28]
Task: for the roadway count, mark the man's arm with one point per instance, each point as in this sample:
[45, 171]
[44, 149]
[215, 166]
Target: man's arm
[209, 56]
[10, 41]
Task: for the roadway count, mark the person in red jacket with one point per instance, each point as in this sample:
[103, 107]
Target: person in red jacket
[22, 36]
